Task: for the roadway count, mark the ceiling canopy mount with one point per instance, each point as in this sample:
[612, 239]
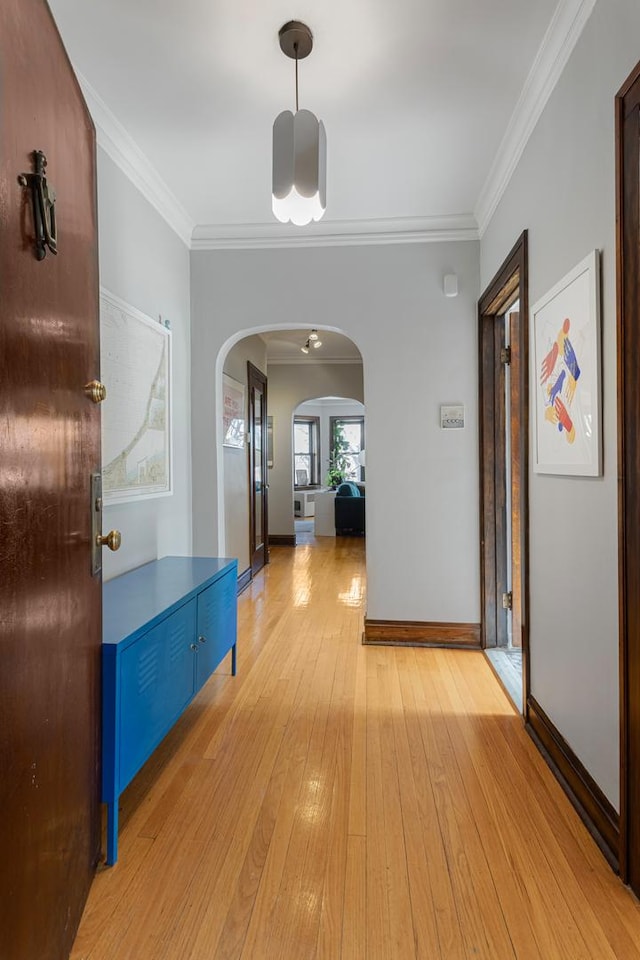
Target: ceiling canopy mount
[296, 40]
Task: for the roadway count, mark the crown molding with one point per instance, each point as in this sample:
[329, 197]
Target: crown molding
[330, 402]
[557, 45]
[118, 143]
[127, 155]
[312, 361]
[334, 233]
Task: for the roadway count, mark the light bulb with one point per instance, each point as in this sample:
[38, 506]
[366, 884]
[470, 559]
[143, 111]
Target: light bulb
[313, 335]
[317, 343]
[305, 348]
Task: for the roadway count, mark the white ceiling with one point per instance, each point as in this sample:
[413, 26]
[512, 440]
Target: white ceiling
[416, 95]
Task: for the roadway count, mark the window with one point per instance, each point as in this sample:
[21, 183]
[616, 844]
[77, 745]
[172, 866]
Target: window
[347, 439]
[306, 444]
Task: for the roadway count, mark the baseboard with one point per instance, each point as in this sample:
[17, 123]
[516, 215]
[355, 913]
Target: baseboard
[412, 633]
[596, 812]
[244, 580]
[282, 540]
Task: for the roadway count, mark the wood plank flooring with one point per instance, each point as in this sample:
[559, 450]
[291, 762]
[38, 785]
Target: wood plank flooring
[340, 801]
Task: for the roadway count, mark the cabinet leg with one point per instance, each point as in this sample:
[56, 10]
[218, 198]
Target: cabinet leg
[112, 833]
[233, 660]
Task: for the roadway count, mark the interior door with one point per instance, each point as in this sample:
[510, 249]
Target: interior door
[503, 336]
[507, 468]
[258, 486]
[501, 477]
[514, 478]
[628, 220]
[50, 605]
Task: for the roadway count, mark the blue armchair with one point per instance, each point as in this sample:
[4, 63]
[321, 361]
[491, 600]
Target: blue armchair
[349, 507]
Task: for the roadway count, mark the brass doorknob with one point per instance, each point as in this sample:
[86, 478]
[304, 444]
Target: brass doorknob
[112, 540]
[96, 391]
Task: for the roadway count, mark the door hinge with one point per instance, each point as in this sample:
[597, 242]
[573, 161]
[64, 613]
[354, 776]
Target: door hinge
[505, 355]
[507, 601]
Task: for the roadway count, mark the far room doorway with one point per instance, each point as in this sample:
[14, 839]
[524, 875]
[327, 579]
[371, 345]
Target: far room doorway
[329, 450]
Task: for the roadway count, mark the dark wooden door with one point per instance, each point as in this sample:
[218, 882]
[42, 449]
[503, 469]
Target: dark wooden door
[628, 148]
[505, 442]
[50, 605]
[501, 519]
[504, 519]
[516, 441]
[258, 485]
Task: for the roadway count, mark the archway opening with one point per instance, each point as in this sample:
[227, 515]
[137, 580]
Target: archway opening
[328, 450]
[294, 377]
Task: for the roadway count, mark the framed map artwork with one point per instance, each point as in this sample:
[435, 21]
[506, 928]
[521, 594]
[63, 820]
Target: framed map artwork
[136, 415]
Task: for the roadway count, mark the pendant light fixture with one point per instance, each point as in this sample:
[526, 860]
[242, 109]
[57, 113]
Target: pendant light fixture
[299, 146]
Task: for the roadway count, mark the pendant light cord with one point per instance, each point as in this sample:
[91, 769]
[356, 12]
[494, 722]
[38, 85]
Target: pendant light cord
[295, 47]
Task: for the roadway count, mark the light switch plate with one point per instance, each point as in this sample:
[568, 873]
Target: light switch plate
[452, 416]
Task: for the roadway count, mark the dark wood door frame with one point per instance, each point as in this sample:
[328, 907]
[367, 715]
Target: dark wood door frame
[628, 266]
[512, 277]
[259, 538]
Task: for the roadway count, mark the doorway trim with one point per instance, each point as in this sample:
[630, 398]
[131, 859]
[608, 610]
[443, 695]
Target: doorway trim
[512, 276]
[627, 107]
[258, 539]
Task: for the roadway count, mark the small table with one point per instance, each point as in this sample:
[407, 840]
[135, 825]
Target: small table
[325, 517]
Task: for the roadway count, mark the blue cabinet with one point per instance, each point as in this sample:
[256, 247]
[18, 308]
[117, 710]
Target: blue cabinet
[216, 627]
[156, 679]
[166, 627]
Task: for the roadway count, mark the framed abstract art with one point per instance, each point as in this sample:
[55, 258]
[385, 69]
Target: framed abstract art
[565, 375]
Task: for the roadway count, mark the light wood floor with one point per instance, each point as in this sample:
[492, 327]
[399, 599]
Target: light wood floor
[341, 801]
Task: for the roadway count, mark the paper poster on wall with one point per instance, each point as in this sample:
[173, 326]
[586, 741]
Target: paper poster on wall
[233, 413]
[270, 442]
[136, 415]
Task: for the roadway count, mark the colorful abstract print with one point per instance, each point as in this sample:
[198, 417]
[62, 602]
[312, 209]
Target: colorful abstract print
[559, 375]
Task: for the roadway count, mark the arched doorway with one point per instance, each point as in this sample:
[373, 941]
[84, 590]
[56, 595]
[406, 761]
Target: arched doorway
[293, 376]
[328, 448]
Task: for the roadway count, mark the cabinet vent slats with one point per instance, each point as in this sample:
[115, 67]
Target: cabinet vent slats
[177, 642]
[148, 669]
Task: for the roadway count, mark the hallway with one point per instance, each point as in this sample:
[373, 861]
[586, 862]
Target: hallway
[341, 801]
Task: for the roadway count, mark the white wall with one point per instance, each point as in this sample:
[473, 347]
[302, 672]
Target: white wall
[144, 262]
[289, 385]
[236, 462]
[563, 192]
[419, 349]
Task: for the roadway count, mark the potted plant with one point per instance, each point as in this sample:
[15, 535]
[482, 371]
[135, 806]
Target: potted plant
[335, 476]
[338, 460]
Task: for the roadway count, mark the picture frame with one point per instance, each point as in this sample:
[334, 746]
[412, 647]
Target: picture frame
[269, 442]
[233, 413]
[566, 395]
[136, 415]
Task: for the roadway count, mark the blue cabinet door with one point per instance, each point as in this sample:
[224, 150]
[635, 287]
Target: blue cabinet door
[157, 678]
[217, 624]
